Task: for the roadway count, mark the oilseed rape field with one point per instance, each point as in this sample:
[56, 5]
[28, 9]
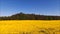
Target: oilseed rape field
[30, 27]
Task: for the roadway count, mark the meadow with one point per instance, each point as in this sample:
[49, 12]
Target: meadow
[30, 27]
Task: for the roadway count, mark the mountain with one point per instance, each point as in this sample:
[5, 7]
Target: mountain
[22, 16]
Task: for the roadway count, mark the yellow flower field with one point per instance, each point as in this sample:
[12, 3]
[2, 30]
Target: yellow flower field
[30, 27]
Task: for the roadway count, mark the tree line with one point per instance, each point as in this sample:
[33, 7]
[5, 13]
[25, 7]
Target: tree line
[22, 16]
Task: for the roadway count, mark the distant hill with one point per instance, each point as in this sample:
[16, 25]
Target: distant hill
[22, 16]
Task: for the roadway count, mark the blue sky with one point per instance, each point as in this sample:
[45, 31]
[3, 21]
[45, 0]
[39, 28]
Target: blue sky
[43, 7]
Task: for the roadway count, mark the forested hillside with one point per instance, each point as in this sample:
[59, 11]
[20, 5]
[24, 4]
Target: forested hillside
[22, 16]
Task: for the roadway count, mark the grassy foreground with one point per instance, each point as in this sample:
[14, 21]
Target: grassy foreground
[30, 27]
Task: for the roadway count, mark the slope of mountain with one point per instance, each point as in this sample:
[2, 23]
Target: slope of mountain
[22, 16]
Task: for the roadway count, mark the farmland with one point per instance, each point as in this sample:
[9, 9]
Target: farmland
[30, 27]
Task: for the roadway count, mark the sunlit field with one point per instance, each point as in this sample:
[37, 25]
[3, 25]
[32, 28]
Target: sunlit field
[30, 27]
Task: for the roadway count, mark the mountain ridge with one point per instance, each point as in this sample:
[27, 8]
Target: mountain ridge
[23, 16]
